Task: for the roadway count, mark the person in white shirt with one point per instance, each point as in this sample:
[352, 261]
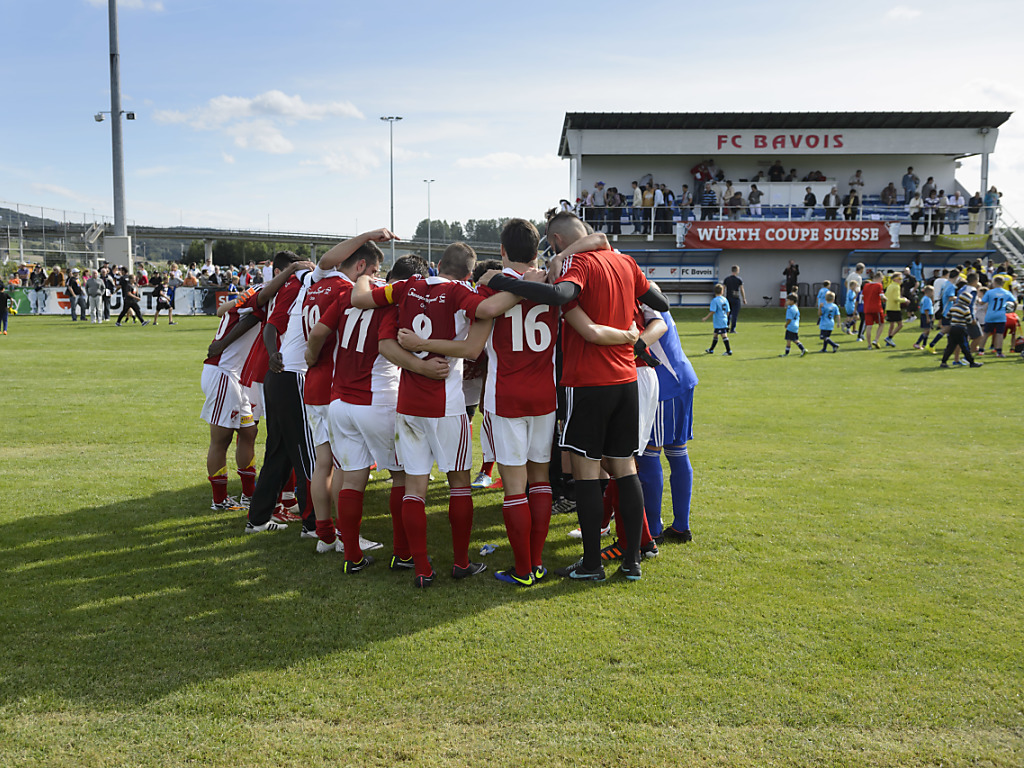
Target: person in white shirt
[954, 204]
[857, 180]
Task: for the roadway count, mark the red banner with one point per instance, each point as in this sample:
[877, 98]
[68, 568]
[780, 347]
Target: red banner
[784, 235]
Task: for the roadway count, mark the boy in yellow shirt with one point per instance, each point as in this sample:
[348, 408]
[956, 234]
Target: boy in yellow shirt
[894, 301]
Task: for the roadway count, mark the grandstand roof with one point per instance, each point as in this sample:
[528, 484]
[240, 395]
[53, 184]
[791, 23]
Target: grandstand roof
[690, 121]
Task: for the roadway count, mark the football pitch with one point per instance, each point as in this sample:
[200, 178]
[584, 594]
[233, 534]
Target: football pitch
[853, 595]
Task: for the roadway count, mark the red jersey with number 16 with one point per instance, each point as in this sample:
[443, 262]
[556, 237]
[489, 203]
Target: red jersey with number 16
[610, 284]
[327, 288]
[521, 359]
[433, 308]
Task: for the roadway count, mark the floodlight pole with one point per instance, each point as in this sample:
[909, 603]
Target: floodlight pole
[390, 120]
[117, 146]
[428, 182]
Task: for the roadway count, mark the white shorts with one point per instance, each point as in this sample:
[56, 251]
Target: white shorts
[647, 391]
[226, 405]
[362, 435]
[420, 441]
[255, 395]
[316, 415]
[523, 439]
[486, 436]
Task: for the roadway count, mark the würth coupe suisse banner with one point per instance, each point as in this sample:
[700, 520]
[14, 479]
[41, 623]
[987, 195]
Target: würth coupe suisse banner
[784, 235]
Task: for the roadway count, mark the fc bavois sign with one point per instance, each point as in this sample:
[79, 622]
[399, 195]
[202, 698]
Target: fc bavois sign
[784, 235]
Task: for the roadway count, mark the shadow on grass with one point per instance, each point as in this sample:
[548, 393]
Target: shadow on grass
[126, 603]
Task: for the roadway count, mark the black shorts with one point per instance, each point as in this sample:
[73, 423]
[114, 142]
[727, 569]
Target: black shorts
[894, 315]
[721, 331]
[823, 334]
[926, 325]
[974, 331]
[602, 421]
[792, 336]
[163, 304]
[999, 328]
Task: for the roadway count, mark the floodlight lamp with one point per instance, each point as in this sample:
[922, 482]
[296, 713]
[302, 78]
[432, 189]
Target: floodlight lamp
[98, 117]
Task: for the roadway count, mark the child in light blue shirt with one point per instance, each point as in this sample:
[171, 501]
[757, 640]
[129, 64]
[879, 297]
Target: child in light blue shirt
[793, 325]
[927, 314]
[827, 322]
[719, 309]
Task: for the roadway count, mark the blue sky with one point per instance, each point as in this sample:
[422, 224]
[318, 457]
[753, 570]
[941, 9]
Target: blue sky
[264, 108]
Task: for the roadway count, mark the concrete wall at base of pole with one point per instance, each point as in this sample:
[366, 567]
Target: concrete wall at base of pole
[118, 251]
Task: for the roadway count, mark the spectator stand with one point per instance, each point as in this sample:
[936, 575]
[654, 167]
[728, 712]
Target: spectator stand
[686, 276]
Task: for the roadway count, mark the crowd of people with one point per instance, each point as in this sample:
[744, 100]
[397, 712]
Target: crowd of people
[651, 207]
[971, 305]
[351, 373]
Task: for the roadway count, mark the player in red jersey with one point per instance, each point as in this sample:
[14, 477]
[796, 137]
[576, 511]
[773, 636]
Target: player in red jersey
[519, 404]
[600, 382]
[227, 407]
[873, 294]
[332, 282]
[362, 410]
[432, 424]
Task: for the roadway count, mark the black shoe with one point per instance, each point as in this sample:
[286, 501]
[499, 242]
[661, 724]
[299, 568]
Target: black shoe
[659, 540]
[400, 563]
[118, 325]
[943, 365]
[422, 582]
[672, 533]
[650, 549]
[976, 364]
[577, 571]
[631, 571]
[612, 552]
[145, 323]
[353, 567]
[458, 572]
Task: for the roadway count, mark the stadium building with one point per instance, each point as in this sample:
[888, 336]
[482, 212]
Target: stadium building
[687, 250]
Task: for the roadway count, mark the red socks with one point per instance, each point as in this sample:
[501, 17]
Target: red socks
[518, 523]
[325, 531]
[399, 542]
[414, 520]
[248, 478]
[611, 502]
[540, 519]
[350, 518]
[219, 485]
[460, 517]
[487, 467]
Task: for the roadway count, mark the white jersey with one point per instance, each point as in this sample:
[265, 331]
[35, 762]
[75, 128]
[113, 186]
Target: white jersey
[293, 342]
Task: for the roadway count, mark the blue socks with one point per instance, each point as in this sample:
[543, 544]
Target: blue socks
[652, 480]
[681, 482]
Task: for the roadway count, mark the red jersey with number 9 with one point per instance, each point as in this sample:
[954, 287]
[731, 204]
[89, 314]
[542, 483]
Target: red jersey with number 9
[320, 296]
[433, 308]
[521, 359]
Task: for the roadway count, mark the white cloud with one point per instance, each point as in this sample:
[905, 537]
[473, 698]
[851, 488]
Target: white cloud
[157, 170]
[357, 163]
[143, 5]
[902, 13]
[55, 189]
[510, 160]
[260, 135]
[229, 159]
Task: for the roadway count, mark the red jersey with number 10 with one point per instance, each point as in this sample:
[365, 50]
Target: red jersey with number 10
[610, 284]
[521, 359]
[326, 290]
[433, 308]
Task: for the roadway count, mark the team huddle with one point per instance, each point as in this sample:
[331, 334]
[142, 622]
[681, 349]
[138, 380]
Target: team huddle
[352, 373]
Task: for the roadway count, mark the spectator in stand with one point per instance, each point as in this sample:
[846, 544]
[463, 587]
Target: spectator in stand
[991, 208]
[939, 216]
[701, 174]
[810, 200]
[614, 204]
[777, 172]
[76, 293]
[659, 210]
[888, 195]
[851, 206]
[954, 205]
[56, 278]
[735, 206]
[636, 210]
[598, 202]
[831, 203]
[857, 181]
[758, 176]
[931, 207]
[910, 183]
[929, 187]
[142, 276]
[708, 200]
[686, 203]
[974, 206]
[792, 175]
[729, 192]
[648, 207]
[754, 201]
[915, 208]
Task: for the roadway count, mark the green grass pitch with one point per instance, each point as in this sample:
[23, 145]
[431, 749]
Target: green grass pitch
[853, 595]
